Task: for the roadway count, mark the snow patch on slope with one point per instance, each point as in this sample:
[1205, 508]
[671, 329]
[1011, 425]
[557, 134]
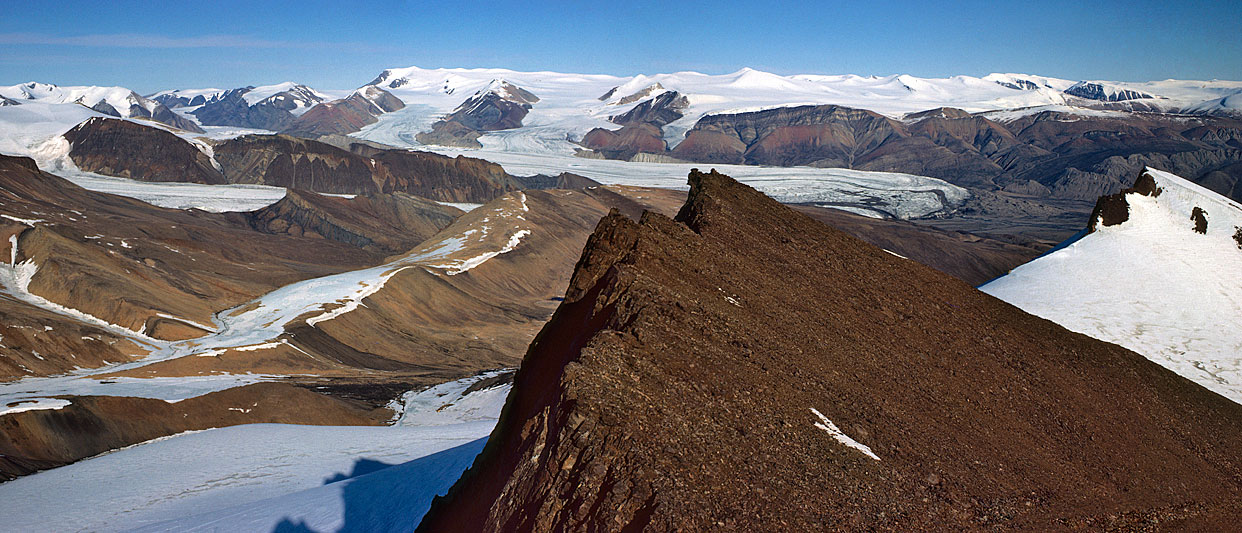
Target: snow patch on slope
[1150, 284]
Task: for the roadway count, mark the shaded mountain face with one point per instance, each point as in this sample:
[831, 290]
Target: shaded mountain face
[242, 108]
[346, 115]
[745, 367]
[122, 148]
[499, 106]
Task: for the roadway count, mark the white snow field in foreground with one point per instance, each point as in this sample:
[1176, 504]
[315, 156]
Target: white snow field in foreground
[256, 477]
[1150, 284]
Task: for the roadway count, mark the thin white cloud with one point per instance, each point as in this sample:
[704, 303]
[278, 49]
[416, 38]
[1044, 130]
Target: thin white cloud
[138, 40]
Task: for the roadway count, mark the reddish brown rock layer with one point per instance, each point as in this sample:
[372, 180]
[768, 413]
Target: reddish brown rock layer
[116, 147]
[673, 388]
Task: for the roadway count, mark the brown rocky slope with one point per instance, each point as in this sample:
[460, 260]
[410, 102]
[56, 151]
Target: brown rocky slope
[126, 149]
[674, 389]
[111, 146]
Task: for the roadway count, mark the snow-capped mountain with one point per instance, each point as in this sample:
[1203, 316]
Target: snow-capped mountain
[293, 97]
[177, 98]
[345, 115]
[1158, 276]
[112, 101]
[574, 104]
[497, 106]
[268, 107]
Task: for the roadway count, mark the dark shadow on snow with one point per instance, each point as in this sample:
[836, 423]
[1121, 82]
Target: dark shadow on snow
[382, 497]
[362, 467]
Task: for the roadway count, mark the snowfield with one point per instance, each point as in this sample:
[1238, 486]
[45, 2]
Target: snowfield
[1150, 284]
[256, 477]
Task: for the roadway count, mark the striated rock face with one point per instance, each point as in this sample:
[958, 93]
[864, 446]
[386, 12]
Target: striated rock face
[824, 135]
[626, 142]
[122, 148]
[381, 223]
[347, 115]
[443, 178]
[745, 367]
[658, 111]
[1052, 153]
[285, 161]
[499, 106]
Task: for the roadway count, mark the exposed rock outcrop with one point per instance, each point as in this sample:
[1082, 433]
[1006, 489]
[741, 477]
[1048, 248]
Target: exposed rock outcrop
[822, 135]
[115, 147]
[285, 161]
[564, 180]
[130, 150]
[1096, 91]
[863, 392]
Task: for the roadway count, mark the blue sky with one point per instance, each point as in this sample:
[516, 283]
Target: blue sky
[344, 44]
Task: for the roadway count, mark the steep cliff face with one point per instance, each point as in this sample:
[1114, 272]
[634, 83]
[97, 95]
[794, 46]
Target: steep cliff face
[823, 135]
[122, 148]
[119, 148]
[295, 163]
[744, 367]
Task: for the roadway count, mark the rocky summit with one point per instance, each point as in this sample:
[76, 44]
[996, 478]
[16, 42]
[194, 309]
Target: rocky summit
[744, 367]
